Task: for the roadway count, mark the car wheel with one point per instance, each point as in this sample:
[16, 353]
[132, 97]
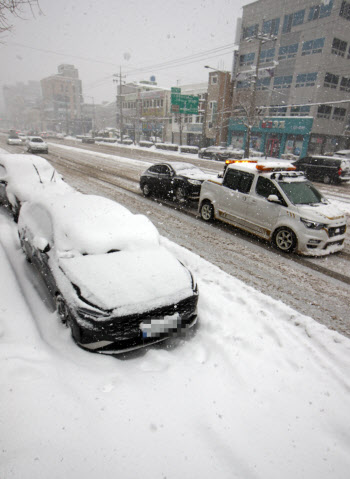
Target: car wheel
[285, 240]
[146, 190]
[180, 194]
[326, 180]
[62, 309]
[207, 211]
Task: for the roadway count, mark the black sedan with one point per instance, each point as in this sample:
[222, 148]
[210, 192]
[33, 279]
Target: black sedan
[212, 152]
[180, 181]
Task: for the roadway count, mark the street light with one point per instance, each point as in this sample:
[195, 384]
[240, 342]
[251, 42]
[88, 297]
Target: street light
[223, 100]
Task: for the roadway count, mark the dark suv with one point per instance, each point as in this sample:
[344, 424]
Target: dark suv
[327, 169]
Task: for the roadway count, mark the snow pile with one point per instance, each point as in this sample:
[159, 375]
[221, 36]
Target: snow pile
[258, 392]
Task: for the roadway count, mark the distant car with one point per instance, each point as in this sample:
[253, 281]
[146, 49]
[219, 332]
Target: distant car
[23, 177]
[180, 181]
[14, 140]
[36, 144]
[113, 283]
[327, 169]
[343, 153]
[212, 152]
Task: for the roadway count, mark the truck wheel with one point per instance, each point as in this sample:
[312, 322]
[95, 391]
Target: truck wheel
[285, 240]
[207, 211]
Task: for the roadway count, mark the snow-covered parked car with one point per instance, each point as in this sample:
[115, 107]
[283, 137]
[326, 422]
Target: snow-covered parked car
[113, 283]
[23, 177]
[37, 144]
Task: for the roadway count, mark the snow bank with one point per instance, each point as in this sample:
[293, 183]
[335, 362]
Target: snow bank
[259, 392]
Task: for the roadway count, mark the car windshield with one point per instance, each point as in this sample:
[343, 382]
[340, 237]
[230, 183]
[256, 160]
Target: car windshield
[302, 193]
[37, 140]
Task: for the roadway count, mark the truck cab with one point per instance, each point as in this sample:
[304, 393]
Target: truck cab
[273, 201]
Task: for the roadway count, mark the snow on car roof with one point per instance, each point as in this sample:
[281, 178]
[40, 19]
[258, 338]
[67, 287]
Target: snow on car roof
[29, 175]
[89, 224]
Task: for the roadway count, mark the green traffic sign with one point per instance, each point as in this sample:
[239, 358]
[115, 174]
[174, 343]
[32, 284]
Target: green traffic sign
[187, 104]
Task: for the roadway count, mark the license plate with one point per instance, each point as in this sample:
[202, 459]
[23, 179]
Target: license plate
[157, 327]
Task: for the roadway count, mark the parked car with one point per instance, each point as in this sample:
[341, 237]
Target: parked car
[273, 201]
[181, 181]
[212, 152]
[14, 140]
[22, 177]
[328, 169]
[343, 153]
[36, 144]
[113, 283]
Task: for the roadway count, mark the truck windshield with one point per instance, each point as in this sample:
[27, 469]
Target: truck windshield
[302, 193]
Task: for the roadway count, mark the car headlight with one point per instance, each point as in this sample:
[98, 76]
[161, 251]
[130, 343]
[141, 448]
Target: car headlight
[313, 224]
[86, 313]
[195, 182]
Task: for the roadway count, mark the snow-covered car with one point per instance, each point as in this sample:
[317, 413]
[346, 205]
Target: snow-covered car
[113, 283]
[36, 144]
[181, 181]
[211, 152]
[23, 177]
[14, 140]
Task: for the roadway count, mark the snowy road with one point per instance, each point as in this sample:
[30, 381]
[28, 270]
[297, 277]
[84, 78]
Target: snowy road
[319, 288]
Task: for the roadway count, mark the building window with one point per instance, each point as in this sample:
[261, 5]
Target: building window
[324, 111]
[330, 80]
[292, 20]
[251, 31]
[271, 27]
[345, 10]
[306, 79]
[263, 83]
[267, 55]
[339, 47]
[345, 84]
[300, 111]
[313, 46]
[214, 79]
[283, 82]
[278, 110]
[247, 59]
[288, 51]
[243, 84]
[339, 114]
[320, 11]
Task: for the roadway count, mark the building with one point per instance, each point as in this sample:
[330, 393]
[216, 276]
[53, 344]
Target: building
[62, 101]
[292, 78]
[145, 110]
[22, 106]
[218, 107]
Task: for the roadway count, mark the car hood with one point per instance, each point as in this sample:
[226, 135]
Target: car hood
[129, 282]
[322, 212]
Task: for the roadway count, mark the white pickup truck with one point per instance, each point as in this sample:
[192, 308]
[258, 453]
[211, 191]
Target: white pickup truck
[273, 201]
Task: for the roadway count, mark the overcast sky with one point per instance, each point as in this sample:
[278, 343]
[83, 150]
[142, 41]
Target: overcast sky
[99, 37]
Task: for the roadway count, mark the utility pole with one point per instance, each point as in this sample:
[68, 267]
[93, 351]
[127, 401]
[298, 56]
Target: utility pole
[120, 98]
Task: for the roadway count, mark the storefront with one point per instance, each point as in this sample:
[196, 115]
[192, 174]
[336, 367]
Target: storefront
[274, 136]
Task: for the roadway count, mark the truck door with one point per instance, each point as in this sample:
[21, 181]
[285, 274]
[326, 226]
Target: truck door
[261, 213]
[232, 199]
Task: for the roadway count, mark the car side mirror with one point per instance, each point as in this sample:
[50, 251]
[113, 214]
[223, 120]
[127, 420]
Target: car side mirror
[41, 244]
[273, 199]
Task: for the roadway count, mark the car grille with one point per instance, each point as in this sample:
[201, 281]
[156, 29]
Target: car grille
[334, 243]
[337, 230]
[128, 327]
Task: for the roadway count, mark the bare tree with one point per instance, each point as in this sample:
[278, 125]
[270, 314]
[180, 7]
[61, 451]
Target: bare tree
[249, 115]
[15, 8]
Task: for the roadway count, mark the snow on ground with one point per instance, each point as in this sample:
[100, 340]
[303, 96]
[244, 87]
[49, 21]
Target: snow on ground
[259, 391]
